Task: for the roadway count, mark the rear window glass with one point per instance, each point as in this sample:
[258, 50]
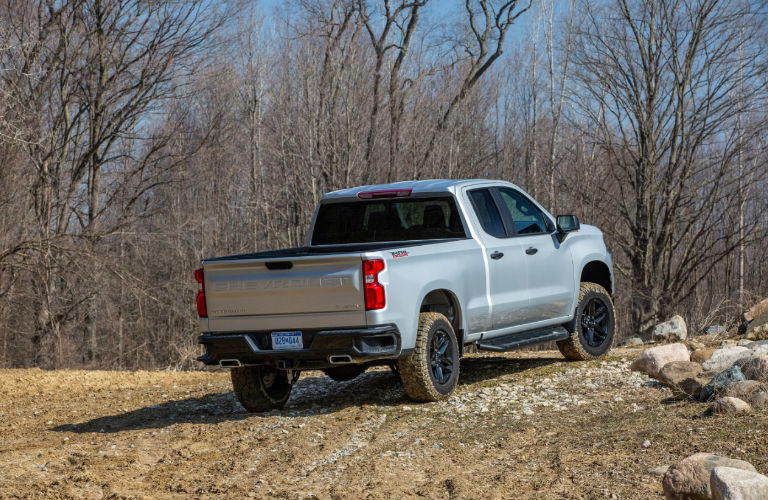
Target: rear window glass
[387, 220]
[486, 211]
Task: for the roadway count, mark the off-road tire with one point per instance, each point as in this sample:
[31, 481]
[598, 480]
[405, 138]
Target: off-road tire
[415, 368]
[345, 372]
[261, 388]
[576, 347]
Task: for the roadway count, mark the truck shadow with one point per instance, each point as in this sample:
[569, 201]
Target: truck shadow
[312, 395]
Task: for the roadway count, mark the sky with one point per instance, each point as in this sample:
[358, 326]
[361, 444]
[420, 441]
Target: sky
[436, 12]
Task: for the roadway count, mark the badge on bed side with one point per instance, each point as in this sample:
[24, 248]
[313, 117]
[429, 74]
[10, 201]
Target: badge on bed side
[399, 253]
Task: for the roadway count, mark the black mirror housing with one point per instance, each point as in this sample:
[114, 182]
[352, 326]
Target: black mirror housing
[566, 224]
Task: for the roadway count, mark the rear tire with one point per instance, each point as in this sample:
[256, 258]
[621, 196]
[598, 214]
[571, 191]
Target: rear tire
[593, 327]
[344, 373]
[262, 388]
[430, 372]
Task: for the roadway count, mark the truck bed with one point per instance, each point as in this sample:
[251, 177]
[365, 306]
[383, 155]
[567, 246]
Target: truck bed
[306, 251]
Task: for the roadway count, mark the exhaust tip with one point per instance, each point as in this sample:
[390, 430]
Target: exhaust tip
[230, 363]
[340, 359]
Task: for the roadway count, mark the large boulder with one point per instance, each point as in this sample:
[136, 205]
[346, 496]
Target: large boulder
[742, 389]
[729, 406]
[719, 383]
[683, 377]
[755, 367]
[689, 479]
[673, 330]
[652, 360]
[729, 483]
[692, 387]
[725, 358]
[674, 372]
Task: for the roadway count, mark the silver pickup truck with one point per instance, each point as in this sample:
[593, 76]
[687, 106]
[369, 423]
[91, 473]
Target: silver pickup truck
[407, 275]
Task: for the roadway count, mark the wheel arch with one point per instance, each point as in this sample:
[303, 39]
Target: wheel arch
[444, 301]
[597, 271]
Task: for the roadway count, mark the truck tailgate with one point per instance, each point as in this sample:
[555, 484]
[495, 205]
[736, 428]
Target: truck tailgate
[300, 293]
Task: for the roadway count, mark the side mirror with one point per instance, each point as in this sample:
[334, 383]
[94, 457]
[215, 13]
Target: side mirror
[566, 224]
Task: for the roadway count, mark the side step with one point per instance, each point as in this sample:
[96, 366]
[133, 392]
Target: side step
[522, 339]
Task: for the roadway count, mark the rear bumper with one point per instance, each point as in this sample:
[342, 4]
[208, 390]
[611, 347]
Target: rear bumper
[360, 345]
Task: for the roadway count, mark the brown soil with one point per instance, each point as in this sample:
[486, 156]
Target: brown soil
[94, 434]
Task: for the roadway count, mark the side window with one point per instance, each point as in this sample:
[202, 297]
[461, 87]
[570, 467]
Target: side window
[486, 211]
[527, 217]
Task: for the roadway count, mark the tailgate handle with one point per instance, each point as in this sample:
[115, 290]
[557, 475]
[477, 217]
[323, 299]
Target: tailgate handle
[277, 266]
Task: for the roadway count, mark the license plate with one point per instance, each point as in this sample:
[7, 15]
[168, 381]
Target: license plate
[287, 340]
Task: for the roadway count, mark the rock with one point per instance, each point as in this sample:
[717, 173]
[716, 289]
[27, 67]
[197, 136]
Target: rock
[758, 344]
[682, 377]
[652, 360]
[757, 324]
[646, 444]
[760, 399]
[725, 358]
[756, 310]
[729, 406]
[674, 372]
[690, 477]
[633, 341]
[714, 330]
[701, 355]
[728, 343]
[728, 483]
[742, 389]
[718, 383]
[755, 367]
[757, 332]
[692, 387]
[672, 330]
[743, 342]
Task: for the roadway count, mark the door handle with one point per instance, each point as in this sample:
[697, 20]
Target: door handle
[497, 255]
[531, 250]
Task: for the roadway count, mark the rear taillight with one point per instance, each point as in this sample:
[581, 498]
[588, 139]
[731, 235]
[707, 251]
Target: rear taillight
[374, 291]
[202, 309]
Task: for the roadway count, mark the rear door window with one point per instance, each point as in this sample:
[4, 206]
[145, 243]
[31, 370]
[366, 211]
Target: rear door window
[388, 220]
[487, 212]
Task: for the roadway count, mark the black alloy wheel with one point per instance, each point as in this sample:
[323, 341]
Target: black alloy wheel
[595, 322]
[441, 357]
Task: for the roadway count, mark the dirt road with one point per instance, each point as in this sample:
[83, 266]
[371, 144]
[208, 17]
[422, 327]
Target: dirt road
[520, 425]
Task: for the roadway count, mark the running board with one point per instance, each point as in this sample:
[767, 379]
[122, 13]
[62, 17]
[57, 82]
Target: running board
[522, 339]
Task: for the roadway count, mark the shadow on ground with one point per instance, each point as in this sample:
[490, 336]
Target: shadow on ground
[311, 396]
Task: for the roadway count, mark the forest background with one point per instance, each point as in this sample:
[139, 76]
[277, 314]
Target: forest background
[138, 137]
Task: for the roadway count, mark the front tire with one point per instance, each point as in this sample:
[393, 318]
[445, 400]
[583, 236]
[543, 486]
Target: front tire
[262, 388]
[430, 372]
[593, 327]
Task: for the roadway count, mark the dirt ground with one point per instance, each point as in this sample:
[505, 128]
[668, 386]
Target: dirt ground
[521, 425]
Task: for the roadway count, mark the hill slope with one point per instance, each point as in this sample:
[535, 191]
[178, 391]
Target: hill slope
[520, 425]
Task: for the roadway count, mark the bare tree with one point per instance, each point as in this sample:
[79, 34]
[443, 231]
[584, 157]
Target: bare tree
[659, 79]
[488, 24]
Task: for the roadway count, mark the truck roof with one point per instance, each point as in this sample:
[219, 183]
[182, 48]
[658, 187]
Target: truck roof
[425, 186]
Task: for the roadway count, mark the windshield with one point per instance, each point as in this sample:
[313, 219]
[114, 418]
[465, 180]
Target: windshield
[388, 220]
